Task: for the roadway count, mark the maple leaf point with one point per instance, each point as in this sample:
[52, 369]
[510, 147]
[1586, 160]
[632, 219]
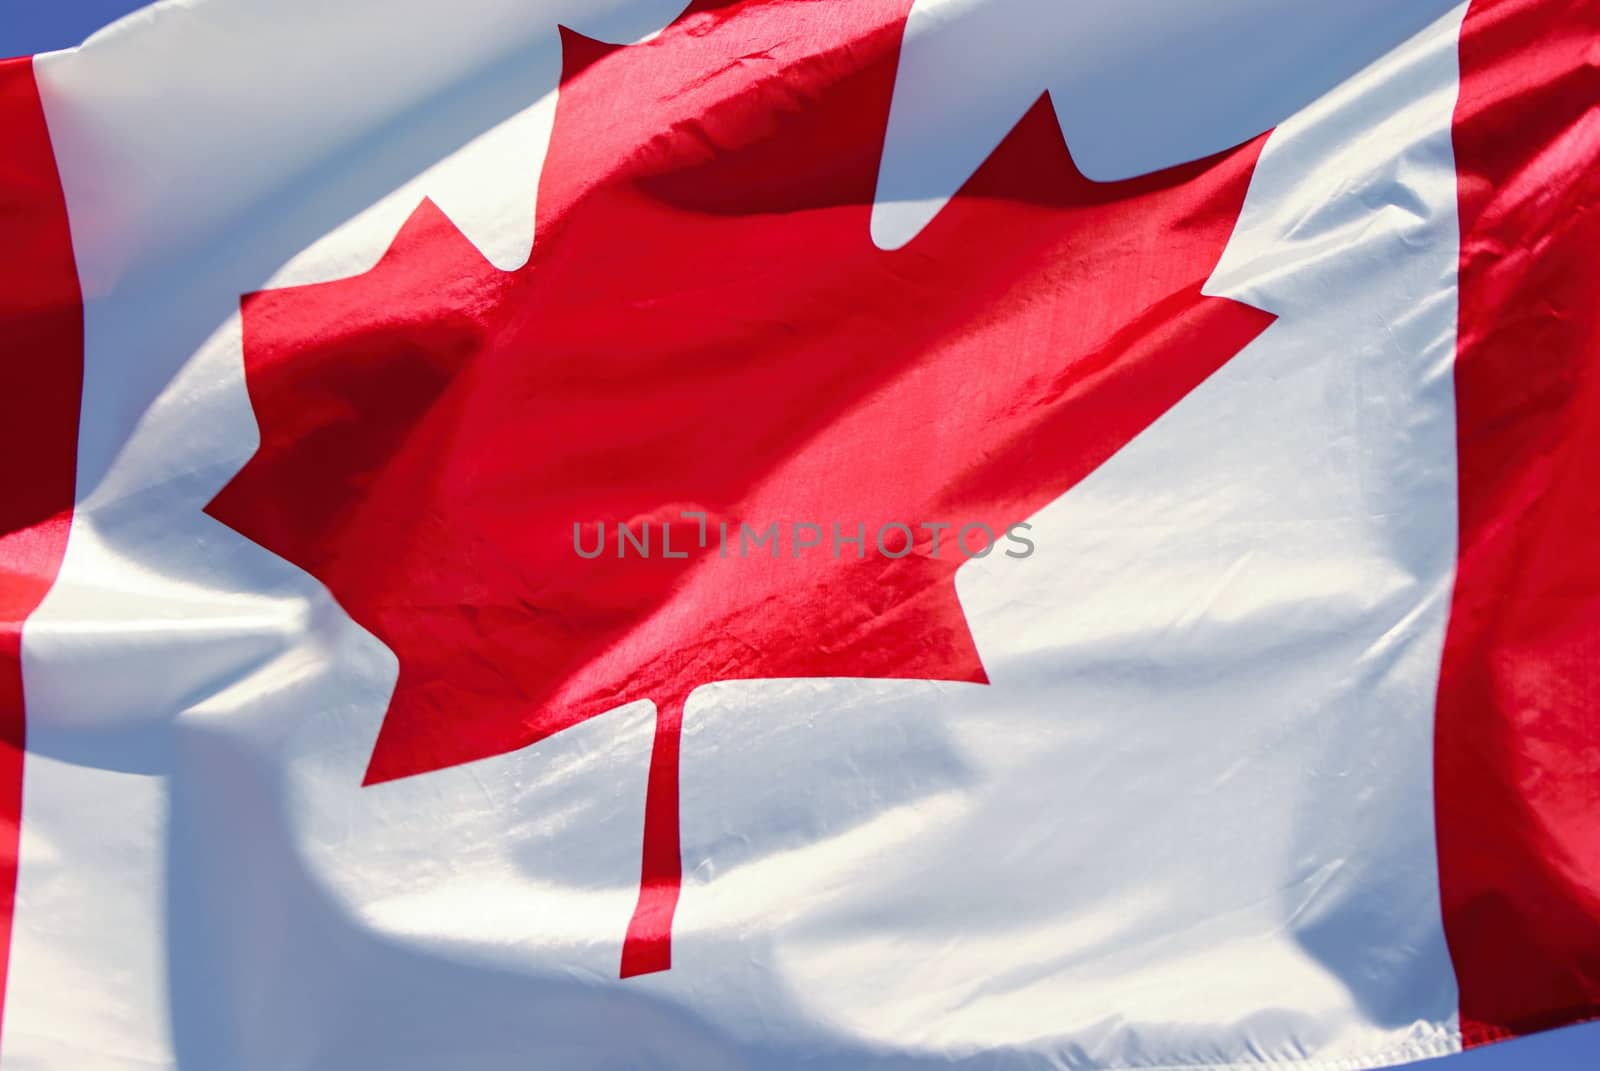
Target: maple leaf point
[706, 324]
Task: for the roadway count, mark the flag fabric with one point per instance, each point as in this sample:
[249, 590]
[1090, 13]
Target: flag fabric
[856, 534]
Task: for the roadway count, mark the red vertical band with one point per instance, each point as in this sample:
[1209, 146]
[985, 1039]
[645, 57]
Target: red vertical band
[41, 379]
[647, 948]
[1518, 732]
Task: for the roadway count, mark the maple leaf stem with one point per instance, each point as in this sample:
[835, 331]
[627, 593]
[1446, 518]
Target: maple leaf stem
[647, 948]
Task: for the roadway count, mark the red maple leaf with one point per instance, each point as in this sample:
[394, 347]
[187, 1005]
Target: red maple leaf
[706, 326]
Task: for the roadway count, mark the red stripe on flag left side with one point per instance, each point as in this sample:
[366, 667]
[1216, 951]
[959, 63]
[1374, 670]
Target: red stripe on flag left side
[41, 385]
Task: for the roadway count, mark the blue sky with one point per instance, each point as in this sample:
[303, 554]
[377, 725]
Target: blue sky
[28, 26]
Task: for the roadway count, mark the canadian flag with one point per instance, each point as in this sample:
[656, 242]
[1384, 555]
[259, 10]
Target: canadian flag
[595, 535]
